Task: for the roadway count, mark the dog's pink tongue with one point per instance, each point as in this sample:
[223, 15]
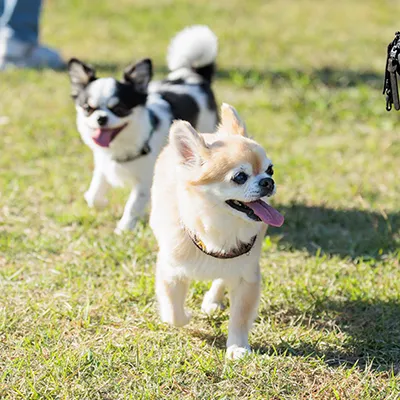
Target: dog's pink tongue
[103, 137]
[266, 213]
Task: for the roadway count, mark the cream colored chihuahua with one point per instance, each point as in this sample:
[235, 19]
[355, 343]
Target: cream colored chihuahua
[209, 216]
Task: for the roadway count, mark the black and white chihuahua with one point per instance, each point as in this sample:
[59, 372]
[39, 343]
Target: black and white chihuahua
[126, 123]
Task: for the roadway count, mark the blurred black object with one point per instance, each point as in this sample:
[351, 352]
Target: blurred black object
[392, 67]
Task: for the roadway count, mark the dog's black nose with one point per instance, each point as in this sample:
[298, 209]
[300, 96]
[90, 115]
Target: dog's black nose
[102, 120]
[267, 184]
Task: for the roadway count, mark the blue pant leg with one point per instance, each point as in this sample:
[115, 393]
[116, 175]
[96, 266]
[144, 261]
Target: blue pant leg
[20, 18]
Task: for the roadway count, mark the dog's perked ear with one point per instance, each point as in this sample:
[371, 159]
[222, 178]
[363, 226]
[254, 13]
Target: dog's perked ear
[139, 74]
[189, 145]
[80, 75]
[231, 123]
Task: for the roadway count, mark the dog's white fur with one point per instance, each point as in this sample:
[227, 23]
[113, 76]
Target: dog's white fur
[138, 173]
[189, 193]
[195, 46]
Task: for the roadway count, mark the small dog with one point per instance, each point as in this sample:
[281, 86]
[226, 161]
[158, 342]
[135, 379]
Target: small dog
[209, 218]
[126, 123]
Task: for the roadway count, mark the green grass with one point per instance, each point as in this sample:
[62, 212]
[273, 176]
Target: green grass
[78, 318]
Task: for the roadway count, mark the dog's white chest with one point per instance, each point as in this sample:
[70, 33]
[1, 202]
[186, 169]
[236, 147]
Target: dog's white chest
[119, 174]
[209, 268]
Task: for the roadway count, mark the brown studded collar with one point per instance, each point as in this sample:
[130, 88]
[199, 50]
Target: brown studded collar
[241, 249]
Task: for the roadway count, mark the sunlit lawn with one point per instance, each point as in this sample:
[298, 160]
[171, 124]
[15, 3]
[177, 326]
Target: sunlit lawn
[78, 318]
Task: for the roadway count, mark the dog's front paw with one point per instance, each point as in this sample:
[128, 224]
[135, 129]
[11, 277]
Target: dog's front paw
[177, 320]
[210, 308]
[235, 352]
[95, 202]
[125, 226]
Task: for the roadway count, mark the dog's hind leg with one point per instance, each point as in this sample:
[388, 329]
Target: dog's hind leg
[244, 299]
[213, 299]
[171, 292]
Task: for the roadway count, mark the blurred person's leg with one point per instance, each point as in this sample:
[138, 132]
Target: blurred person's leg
[20, 20]
[19, 37]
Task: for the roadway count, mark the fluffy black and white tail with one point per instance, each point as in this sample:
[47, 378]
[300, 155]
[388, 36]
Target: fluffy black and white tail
[196, 48]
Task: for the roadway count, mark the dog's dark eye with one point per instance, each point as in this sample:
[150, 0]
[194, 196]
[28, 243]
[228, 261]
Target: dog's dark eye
[240, 178]
[88, 110]
[121, 110]
[270, 170]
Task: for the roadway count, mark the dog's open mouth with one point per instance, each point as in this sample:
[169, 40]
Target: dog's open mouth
[258, 211]
[104, 136]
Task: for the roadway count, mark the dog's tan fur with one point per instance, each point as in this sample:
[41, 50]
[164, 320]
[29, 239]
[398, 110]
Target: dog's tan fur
[225, 156]
[193, 178]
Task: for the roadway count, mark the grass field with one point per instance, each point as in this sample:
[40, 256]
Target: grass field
[78, 318]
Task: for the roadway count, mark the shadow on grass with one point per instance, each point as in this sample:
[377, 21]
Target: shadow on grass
[372, 335]
[326, 76]
[371, 328]
[346, 233]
